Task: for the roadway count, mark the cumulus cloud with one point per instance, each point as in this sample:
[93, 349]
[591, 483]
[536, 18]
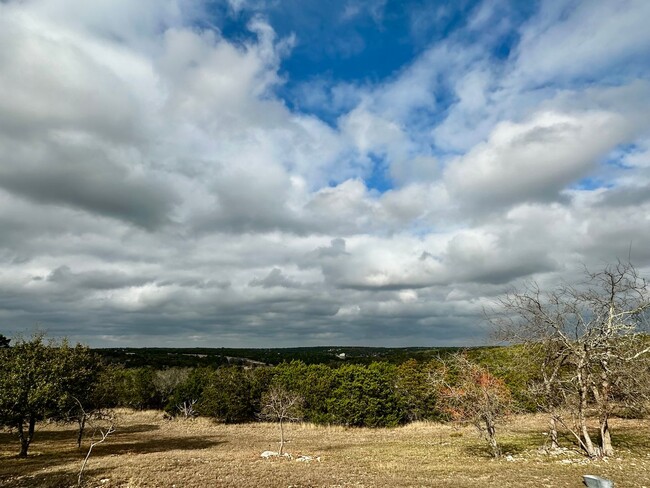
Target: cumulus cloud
[535, 160]
[164, 180]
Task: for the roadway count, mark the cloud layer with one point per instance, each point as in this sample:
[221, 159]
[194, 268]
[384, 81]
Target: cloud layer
[169, 179]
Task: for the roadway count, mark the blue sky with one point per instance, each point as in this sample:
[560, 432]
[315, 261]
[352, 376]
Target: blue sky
[255, 173]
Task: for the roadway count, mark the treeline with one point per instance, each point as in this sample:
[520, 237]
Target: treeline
[374, 395]
[196, 357]
[378, 394]
[49, 380]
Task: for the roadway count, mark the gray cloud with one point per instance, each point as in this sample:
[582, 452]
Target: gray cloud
[94, 280]
[275, 278]
[91, 185]
[156, 190]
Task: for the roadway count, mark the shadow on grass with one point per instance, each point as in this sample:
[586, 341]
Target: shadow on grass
[50, 479]
[7, 438]
[135, 429]
[634, 441]
[70, 434]
[153, 445]
[49, 451]
[482, 449]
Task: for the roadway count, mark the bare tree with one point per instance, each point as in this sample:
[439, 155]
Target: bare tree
[592, 335]
[103, 427]
[280, 405]
[187, 409]
[548, 389]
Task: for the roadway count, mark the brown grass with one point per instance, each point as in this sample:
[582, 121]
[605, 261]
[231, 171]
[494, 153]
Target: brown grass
[148, 451]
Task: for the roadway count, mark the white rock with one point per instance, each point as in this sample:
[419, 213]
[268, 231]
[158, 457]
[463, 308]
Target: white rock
[268, 454]
[305, 459]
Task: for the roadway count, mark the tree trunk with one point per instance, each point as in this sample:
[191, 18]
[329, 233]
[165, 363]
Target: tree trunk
[82, 424]
[281, 437]
[552, 432]
[492, 439]
[588, 445]
[606, 448]
[26, 438]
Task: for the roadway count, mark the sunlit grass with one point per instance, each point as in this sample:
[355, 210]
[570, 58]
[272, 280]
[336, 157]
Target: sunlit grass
[148, 451]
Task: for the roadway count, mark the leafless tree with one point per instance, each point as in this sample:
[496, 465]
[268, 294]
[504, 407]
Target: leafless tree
[103, 426]
[591, 334]
[280, 405]
[187, 409]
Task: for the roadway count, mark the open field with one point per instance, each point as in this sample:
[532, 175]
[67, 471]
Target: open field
[148, 451]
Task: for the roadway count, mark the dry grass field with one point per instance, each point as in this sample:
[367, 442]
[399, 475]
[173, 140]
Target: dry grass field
[148, 451]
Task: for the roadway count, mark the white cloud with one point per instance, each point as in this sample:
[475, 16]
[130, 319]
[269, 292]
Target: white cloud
[535, 160]
[596, 39]
[154, 183]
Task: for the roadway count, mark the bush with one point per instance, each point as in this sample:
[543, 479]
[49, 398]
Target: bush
[314, 383]
[134, 387]
[233, 394]
[416, 388]
[365, 396]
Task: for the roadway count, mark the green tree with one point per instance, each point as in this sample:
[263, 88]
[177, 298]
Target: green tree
[188, 392]
[39, 380]
[4, 341]
[413, 385]
[314, 383]
[366, 396]
[135, 387]
[232, 395]
[79, 380]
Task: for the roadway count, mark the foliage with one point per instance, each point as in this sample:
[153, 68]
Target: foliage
[413, 385]
[366, 396]
[312, 382]
[476, 397]
[167, 381]
[134, 388]
[233, 394]
[516, 365]
[161, 358]
[41, 380]
[189, 391]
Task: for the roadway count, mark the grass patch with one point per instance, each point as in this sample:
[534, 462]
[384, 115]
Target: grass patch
[148, 451]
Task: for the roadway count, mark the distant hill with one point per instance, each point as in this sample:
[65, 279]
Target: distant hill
[331, 355]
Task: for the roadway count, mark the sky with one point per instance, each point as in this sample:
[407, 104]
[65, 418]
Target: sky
[269, 173]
